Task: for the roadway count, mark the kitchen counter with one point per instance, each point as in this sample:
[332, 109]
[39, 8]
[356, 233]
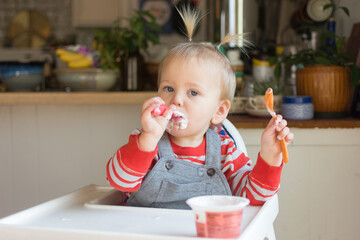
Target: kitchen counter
[77, 98]
[246, 121]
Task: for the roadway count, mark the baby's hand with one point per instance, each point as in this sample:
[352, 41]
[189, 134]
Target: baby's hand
[153, 125]
[270, 145]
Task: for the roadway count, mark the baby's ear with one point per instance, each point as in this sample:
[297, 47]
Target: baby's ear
[221, 113]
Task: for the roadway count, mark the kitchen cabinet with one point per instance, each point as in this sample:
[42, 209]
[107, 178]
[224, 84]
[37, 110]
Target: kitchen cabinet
[94, 13]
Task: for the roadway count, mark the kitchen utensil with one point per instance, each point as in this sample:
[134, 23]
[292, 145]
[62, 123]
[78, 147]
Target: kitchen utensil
[257, 112]
[159, 111]
[258, 103]
[29, 28]
[176, 117]
[269, 106]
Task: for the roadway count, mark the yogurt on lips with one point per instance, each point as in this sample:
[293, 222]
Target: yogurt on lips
[177, 119]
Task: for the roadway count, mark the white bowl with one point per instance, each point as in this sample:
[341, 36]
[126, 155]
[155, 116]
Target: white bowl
[87, 79]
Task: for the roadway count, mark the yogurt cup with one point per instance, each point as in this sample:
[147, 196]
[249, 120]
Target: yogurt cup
[218, 216]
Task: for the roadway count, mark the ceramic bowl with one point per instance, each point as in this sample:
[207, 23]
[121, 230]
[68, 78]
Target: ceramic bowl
[21, 77]
[87, 79]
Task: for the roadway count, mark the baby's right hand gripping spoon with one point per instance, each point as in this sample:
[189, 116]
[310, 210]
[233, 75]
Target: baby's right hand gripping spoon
[269, 102]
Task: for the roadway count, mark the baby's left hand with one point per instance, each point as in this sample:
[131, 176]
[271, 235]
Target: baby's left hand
[270, 145]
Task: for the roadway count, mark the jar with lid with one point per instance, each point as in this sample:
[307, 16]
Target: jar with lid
[297, 108]
[238, 67]
[261, 69]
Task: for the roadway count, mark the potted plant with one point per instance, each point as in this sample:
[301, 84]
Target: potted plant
[123, 47]
[261, 87]
[323, 73]
[257, 101]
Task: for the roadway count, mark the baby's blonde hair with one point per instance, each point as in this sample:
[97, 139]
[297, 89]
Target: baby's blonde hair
[204, 52]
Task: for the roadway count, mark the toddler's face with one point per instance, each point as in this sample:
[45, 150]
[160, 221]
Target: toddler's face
[194, 87]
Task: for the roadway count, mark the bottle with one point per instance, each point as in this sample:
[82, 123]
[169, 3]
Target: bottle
[331, 28]
[238, 67]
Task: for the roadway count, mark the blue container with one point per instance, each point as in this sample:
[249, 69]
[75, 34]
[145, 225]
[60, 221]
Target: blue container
[297, 108]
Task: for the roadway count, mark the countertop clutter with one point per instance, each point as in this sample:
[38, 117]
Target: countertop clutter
[93, 213]
[78, 98]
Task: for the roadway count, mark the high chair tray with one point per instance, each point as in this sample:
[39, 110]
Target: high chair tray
[93, 212]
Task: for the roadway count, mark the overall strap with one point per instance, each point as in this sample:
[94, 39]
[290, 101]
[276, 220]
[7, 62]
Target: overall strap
[164, 147]
[213, 149]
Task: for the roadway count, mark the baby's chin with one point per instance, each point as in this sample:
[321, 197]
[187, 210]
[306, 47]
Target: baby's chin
[176, 126]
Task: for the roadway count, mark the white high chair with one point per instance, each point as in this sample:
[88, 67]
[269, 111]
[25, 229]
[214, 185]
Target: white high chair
[231, 130]
[270, 214]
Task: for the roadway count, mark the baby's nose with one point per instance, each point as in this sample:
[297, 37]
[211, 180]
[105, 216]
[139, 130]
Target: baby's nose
[177, 100]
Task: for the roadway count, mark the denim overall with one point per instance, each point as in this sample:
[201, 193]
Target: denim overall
[172, 181]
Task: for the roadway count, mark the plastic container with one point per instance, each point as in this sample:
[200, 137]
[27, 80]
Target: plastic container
[238, 67]
[261, 69]
[297, 108]
[218, 216]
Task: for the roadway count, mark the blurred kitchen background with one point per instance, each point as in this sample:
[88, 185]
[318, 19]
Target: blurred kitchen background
[50, 149]
[32, 30]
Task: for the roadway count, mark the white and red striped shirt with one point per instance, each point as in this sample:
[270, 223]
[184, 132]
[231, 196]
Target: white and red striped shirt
[127, 168]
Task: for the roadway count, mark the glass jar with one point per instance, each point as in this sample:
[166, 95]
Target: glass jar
[297, 108]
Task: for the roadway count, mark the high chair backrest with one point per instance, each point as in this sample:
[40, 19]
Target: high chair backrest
[231, 130]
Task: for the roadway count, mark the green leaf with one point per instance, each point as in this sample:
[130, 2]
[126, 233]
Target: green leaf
[329, 5]
[119, 42]
[339, 43]
[322, 60]
[277, 71]
[273, 60]
[346, 10]
[261, 87]
[355, 75]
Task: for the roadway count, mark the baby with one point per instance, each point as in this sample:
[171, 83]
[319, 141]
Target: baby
[182, 155]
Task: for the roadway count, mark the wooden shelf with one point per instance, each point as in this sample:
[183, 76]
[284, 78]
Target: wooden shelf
[246, 121]
[14, 98]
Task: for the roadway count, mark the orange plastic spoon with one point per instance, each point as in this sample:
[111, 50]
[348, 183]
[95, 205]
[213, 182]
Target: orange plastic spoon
[269, 102]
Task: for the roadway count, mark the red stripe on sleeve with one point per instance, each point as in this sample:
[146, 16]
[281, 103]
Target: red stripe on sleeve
[253, 201]
[134, 158]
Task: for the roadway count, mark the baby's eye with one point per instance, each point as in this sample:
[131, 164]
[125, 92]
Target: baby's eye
[169, 89]
[193, 93]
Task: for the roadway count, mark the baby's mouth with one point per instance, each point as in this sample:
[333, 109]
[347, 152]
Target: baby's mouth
[177, 116]
[178, 120]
